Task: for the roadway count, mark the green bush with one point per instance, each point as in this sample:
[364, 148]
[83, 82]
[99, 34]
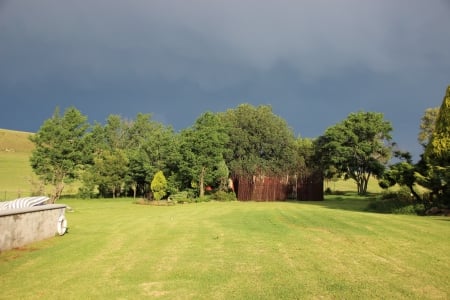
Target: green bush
[223, 196]
[203, 199]
[159, 185]
[180, 197]
[401, 202]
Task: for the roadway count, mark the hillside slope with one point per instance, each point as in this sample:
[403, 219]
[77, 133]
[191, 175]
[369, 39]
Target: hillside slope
[15, 141]
[16, 176]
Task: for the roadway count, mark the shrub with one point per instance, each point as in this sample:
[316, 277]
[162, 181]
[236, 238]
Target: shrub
[180, 197]
[223, 196]
[159, 185]
[203, 199]
[401, 202]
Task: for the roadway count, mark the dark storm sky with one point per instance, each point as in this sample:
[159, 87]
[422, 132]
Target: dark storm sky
[313, 61]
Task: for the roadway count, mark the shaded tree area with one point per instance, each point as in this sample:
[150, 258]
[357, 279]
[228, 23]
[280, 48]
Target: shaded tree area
[436, 157]
[121, 157]
[260, 142]
[244, 145]
[62, 149]
[432, 171]
[265, 160]
[427, 125]
[357, 148]
[202, 149]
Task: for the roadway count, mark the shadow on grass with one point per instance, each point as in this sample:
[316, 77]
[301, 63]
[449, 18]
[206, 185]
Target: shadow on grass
[350, 201]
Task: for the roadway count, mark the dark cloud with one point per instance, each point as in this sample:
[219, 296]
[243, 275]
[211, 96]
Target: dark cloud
[313, 61]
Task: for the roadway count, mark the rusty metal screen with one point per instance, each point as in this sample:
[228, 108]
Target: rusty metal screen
[310, 188]
[264, 188]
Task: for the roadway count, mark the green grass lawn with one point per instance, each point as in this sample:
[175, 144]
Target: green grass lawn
[235, 250]
[16, 175]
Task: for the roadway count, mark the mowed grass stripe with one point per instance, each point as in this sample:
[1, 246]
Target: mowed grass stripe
[237, 250]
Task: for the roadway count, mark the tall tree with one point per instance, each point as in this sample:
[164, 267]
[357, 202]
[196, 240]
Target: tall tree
[61, 149]
[109, 169]
[110, 161]
[402, 173]
[427, 125]
[152, 148]
[358, 147]
[437, 154]
[260, 141]
[203, 148]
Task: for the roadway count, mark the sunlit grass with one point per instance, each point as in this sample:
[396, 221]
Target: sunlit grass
[234, 250]
[16, 176]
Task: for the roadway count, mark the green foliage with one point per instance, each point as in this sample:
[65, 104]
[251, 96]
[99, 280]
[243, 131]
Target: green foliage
[436, 173]
[109, 170]
[159, 185]
[222, 174]
[180, 197]
[205, 198]
[427, 125]
[357, 148]
[401, 202]
[223, 196]
[61, 149]
[260, 141]
[202, 149]
[402, 173]
[438, 150]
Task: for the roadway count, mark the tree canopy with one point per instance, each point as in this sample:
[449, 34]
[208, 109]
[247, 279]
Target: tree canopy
[122, 156]
[202, 148]
[358, 148]
[61, 149]
[427, 125]
[260, 142]
[437, 155]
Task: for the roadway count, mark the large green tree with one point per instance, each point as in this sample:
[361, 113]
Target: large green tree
[403, 173]
[110, 169]
[202, 148]
[152, 148]
[61, 149]
[437, 154]
[358, 147]
[260, 141]
[109, 166]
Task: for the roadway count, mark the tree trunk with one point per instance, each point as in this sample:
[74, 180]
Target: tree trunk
[134, 187]
[58, 191]
[202, 182]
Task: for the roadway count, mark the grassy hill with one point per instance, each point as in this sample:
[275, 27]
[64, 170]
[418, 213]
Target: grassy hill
[15, 141]
[16, 175]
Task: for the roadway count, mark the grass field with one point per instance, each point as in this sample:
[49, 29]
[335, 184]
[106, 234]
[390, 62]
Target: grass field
[16, 175]
[234, 250]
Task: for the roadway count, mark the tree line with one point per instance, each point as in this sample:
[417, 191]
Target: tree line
[122, 157]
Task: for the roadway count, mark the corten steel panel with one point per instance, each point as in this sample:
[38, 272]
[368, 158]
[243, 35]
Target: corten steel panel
[263, 188]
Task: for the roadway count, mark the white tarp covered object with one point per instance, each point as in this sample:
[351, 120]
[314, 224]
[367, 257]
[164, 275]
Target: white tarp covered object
[23, 202]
